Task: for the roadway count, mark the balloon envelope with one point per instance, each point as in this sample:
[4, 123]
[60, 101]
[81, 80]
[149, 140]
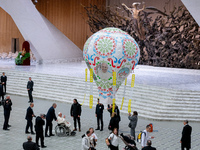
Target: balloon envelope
[110, 50]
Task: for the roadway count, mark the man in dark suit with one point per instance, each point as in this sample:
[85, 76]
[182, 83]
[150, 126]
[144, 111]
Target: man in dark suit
[148, 147]
[3, 81]
[39, 122]
[76, 113]
[49, 118]
[29, 117]
[1, 92]
[186, 136]
[29, 145]
[7, 108]
[99, 115]
[30, 85]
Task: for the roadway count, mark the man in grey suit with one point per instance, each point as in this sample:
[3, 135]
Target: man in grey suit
[30, 85]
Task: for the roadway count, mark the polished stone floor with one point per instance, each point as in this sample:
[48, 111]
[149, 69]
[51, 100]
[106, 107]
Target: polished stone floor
[167, 134]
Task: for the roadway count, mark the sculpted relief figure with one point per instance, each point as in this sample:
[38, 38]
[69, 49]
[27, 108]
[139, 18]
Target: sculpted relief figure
[136, 19]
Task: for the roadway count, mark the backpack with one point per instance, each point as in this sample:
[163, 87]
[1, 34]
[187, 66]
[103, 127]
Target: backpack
[139, 137]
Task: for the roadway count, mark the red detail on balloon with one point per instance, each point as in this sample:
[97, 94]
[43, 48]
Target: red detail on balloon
[133, 64]
[121, 63]
[112, 63]
[96, 58]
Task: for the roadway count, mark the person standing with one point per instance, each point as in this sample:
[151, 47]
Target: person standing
[39, 123]
[133, 122]
[49, 118]
[3, 81]
[116, 110]
[7, 108]
[30, 85]
[114, 122]
[114, 140]
[86, 141]
[29, 117]
[76, 113]
[186, 136]
[29, 145]
[99, 115]
[1, 92]
[145, 136]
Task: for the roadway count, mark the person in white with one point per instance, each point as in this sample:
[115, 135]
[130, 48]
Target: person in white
[102, 71]
[86, 141]
[145, 136]
[114, 139]
[93, 137]
[62, 120]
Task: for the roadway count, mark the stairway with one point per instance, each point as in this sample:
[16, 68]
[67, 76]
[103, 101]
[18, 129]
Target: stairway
[151, 102]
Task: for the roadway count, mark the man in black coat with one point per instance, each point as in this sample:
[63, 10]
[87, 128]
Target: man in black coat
[29, 145]
[49, 118]
[99, 115]
[7, 108]
[148, 147]
[1, 92]
[30, 85]
[3, 81]
[39, 122]
[76, 113]
[186, 136]
[29, 117]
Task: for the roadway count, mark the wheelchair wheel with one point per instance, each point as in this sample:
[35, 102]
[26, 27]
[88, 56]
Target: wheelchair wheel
[60, 130]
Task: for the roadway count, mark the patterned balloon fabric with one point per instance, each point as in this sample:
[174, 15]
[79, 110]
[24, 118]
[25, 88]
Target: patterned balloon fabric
[110, 50]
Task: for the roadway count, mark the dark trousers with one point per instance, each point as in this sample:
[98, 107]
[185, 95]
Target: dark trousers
[39, 135]
[49, 126]
[79, 123]
[112, 147]
[2, 96]
[6, 119]
[4, 88]
[183, 147]
[29, 124]
[100, 119]
[30, 95]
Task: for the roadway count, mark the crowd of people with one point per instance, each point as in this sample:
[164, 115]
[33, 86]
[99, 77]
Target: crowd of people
[89, 139]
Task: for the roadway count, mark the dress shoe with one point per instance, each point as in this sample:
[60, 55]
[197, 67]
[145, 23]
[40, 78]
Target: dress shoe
[101, 130]
[79, 130]
[33, 133]
[75, 130]
[52, 135]
[27, 132]
[6, 129]
[97, 129]
[43, 146]
[47, 136]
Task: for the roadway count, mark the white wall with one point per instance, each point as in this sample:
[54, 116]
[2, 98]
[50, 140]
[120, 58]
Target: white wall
[47, 42]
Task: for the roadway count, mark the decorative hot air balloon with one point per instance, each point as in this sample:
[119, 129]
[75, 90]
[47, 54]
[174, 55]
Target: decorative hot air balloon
[110, 50]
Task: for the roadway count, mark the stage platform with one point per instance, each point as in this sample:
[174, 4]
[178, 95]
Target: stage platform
[170, 78]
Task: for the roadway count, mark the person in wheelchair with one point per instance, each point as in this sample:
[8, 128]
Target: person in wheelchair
[62, 120]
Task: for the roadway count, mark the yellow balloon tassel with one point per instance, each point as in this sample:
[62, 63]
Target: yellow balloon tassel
[122, 103]
[91, 101]
[91, 75]
[86, 75]
[114, 79]
[129, 106]
[113, 108]
[133, 80]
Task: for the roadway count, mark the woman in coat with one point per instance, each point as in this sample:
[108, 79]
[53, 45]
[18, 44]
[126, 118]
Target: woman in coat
[133, 122]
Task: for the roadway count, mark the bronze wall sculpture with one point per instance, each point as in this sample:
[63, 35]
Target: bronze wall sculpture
[165, 39]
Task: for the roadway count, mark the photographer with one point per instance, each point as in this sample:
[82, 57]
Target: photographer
[7, 108]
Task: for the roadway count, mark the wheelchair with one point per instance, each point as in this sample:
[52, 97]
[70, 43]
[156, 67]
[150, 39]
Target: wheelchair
[62, 130]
